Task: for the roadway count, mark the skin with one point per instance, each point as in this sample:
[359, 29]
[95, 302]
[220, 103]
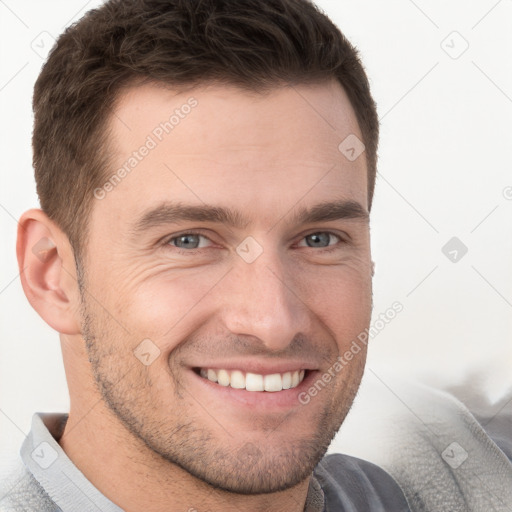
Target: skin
[159, 437]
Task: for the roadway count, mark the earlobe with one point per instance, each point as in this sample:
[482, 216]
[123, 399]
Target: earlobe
[47, 271]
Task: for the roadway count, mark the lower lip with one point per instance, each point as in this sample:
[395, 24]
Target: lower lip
[285, 399]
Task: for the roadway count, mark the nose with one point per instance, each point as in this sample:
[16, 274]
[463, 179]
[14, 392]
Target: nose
[262, 301]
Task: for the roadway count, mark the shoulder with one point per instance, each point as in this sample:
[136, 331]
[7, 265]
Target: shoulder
[21, 492]
[351, 482]
[432, 445]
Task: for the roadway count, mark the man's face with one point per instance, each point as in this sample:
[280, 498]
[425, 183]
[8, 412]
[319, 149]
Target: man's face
[278, 287]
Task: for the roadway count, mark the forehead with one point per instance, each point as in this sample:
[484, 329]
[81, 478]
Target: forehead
[304, 112]
[219, 144]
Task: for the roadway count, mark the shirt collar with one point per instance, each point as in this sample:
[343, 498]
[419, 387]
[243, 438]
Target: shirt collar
[60, 478]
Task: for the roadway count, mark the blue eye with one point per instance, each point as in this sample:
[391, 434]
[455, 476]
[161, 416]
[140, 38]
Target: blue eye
[188, 241]
[320, 239]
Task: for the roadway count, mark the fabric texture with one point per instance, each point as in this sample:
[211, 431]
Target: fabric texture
[354, 485]
[48, 481]
[448, 460]
[444, 457]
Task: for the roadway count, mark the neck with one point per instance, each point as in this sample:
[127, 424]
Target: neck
[135, 478]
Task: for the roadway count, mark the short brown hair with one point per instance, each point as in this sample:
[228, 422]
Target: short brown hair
[254, 44]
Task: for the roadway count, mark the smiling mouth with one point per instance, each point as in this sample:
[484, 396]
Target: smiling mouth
[253, 381]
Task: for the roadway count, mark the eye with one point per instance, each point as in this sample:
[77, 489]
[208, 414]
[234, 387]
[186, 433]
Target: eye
[189, 241]
[320, 239]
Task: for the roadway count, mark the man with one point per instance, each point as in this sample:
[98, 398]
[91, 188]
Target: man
[205, 171]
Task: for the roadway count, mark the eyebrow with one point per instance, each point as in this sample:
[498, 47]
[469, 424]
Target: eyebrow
[173, 213]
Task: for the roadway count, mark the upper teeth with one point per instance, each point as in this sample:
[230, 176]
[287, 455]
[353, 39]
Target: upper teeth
[253, 381]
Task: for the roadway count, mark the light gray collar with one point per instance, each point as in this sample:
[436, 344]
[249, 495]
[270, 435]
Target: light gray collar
[52, 468]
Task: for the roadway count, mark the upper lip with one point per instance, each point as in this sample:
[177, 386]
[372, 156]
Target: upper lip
[259, 367]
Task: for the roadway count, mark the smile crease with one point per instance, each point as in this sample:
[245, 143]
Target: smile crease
[253, 381]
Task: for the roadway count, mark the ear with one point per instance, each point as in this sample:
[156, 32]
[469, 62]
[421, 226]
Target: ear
[47, 271]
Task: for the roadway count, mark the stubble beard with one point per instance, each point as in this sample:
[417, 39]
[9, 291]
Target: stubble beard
[245, 467]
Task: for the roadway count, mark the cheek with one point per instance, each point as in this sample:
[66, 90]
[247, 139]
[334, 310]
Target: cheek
[159, 304]
[341, 298]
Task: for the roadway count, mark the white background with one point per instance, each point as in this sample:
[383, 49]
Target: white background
[445, 169]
